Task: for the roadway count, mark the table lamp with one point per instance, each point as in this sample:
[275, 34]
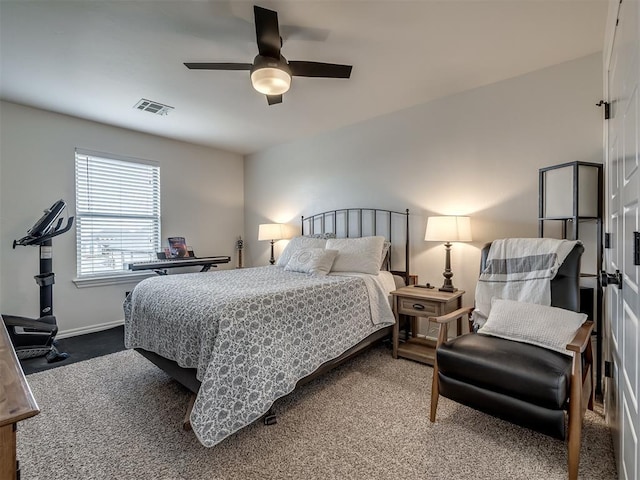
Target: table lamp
[448, 229]
[272, 232]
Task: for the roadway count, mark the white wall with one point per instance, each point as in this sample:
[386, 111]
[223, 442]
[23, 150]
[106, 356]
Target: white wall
[476, 153]
[201, 197]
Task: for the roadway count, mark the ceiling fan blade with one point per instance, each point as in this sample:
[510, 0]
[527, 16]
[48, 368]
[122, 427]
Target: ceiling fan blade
[218, 66]
[318, 69]
[274, 99]
[267, 32]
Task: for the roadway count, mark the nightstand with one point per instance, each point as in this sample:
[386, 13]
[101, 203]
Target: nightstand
[421, 302]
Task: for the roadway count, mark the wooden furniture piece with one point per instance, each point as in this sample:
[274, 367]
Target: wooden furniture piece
[520, 382]
[16, 404]
[417, 302]
[571, 206]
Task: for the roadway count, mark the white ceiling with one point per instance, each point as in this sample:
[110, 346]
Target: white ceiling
[96, 59]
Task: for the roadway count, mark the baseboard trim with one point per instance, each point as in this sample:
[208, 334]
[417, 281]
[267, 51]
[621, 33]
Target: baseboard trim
[73, 332]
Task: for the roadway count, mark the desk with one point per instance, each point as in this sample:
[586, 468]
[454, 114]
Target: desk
[17, 403]
[160, 266]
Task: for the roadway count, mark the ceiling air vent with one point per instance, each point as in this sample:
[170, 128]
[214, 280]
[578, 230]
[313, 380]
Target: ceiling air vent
[152, 107]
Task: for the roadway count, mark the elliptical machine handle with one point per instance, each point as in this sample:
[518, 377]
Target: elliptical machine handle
[57, 230]
[29, 240]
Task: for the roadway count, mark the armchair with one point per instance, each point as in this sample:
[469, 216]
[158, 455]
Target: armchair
[522, 383]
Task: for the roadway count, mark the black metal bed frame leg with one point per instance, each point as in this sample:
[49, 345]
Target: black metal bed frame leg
[270, 418]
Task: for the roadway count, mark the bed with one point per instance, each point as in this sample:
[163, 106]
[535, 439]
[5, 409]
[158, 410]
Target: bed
[241, 339]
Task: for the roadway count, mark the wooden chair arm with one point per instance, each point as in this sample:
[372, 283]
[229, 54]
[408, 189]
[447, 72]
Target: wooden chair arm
[453, 315]
[444, 320]
[581, 338]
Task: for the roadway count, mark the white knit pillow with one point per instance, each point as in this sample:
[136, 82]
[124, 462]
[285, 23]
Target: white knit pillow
[296, 244]
[357, 254]
[549, 327]
[316, 261]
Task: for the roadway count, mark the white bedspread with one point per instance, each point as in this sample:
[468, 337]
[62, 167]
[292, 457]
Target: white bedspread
[379, 286]
[252, 333]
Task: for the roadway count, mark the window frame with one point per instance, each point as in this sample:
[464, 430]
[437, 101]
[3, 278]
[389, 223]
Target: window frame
[116, 276]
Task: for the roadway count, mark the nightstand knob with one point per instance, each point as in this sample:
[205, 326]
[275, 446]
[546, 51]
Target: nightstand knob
[418, 306]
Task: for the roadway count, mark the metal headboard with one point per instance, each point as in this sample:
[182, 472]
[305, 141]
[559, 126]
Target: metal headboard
[361, 222]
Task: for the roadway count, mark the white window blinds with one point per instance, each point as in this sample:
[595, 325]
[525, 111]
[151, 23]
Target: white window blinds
[117, 213]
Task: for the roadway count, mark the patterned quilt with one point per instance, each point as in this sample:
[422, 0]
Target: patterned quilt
[251, 333]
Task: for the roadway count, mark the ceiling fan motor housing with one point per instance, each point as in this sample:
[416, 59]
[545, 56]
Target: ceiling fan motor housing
[270, 76]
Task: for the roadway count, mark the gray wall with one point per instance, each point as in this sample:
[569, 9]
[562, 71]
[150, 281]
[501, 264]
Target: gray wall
[476, 153]
[201, 197]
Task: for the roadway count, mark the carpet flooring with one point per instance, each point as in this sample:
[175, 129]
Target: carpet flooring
[119, 417]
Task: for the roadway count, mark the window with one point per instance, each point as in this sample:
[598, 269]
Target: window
[117, 213]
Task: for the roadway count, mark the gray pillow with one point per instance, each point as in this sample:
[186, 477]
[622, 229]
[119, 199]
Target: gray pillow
[322, 235]
[384, 260]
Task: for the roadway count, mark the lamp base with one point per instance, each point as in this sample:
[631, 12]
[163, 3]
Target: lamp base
[447, 288]
[272, 260]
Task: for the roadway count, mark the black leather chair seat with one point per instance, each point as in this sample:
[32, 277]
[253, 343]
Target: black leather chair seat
[529, 373]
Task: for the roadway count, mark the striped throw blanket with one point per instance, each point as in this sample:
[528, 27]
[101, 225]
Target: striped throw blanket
[519, 269]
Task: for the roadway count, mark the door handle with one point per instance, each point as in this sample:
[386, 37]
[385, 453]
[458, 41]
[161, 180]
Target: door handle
[611, 279]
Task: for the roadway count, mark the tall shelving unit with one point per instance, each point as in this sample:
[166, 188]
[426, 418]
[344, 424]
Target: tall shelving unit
[571, 206]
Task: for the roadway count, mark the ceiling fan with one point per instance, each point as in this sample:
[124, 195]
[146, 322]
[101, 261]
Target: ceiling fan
[270, 72]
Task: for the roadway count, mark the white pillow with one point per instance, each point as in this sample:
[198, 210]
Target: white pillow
[317, 261]
[549, 327]
[357, 254]
[296, 244]
[386, 246]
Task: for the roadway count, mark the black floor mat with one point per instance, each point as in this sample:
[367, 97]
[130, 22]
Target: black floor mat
[81, 347]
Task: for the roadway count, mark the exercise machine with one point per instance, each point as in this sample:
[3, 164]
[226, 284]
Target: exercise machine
[35, 337]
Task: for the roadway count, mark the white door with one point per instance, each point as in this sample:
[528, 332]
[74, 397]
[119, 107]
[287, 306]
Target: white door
[622, 330]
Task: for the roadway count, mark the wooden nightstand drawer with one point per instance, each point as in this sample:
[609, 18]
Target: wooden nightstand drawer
[419, 308]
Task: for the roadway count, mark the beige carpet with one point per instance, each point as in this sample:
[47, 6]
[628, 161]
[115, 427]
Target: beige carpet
[119, 417]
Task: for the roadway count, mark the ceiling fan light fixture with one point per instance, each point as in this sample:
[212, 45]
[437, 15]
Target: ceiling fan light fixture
[270, 72]
[270, 76]
[270, 80]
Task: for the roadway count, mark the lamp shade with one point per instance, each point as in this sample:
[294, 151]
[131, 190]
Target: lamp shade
[448, 229]
[271, 231]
